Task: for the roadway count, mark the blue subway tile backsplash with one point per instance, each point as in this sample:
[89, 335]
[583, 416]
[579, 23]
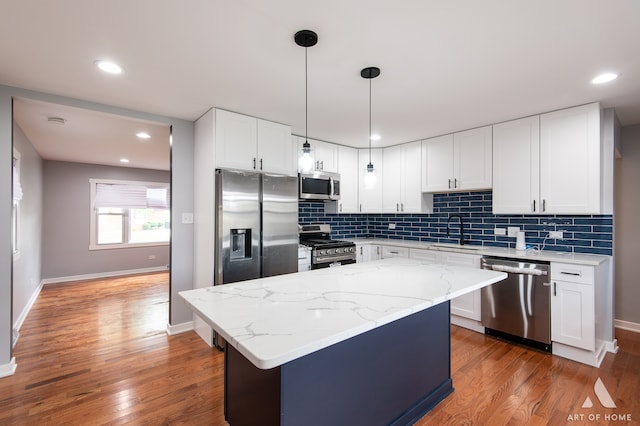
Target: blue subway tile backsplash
[581, 234]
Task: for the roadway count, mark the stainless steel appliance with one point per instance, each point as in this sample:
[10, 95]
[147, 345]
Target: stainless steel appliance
[256, 225]
[319, 186]
[326, 252]
[518, 308]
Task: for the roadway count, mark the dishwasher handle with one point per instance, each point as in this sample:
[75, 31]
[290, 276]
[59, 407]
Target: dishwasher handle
[517, 270]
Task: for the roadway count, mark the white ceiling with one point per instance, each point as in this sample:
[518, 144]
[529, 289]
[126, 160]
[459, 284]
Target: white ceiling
[446, 66]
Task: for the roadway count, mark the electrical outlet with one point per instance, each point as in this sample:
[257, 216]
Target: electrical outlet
[512, 231]
[392, 226]
[499, 231]
[556, 234]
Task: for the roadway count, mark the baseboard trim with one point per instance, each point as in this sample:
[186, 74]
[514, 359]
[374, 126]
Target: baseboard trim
[627, 325]
[100, 275]
[179, 328]
[23, 315]
[8, 369]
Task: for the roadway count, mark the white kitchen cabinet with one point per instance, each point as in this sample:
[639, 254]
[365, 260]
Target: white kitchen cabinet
[367, 252]
[248, 143]
[573, 305]
[570, 160]
[324, 154]
[401, 186]
[458, 162]
[348, 169]
[275, 148]
[468, 306]
[392, 251]
[516, 166]
[370, 197]
[548, 164]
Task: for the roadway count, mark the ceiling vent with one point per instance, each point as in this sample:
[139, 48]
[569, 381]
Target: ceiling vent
[56, 120]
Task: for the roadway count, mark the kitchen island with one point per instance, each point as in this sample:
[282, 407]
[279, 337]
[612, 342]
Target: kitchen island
[359, 344]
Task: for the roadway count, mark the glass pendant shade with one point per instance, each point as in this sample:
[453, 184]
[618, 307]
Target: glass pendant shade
[305, 162]
[370, 178]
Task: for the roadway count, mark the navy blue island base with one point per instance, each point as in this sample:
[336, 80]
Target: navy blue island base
[390, 375]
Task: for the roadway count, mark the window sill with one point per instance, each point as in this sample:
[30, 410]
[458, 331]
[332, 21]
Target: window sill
[124, 246]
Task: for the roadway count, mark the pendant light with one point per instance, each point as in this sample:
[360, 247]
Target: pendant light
[306, 38]
[370, 175]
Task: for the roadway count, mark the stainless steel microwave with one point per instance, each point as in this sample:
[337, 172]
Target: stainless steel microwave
[319, 185]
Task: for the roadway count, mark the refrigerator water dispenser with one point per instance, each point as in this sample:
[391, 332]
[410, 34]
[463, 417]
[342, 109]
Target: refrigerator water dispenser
[240, 244]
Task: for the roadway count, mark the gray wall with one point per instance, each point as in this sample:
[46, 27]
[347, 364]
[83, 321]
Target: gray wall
[627, 229]
[27, 263]
[66, 229]
[181, 200]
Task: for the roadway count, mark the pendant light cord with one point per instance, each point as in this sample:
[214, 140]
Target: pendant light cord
[306, 98]
[369, 121]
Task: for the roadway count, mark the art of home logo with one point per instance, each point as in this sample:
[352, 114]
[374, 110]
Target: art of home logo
[603, 396]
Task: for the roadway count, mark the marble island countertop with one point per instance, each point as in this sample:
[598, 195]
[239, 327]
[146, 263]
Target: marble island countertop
[274, 320]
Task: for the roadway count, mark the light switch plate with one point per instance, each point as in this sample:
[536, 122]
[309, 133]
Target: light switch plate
[187, 217]
[513, 231]
[392, 226]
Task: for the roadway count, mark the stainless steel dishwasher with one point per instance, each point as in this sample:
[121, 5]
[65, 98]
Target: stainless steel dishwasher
[518, 308]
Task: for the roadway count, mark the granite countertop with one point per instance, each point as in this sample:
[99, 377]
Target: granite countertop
[544, 255]
[274, 320]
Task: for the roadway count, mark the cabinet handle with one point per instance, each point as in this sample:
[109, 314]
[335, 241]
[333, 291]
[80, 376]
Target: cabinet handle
[378, 250]
[360, 250]
[554, 289]
[534, 206]
[401, 207]
[317, 165]
[322, 165]
[261, 164]
[360, 208]
[340, 207]
[254, 163]
[397, 207]
[455, 183]
[575, 274]
[449, 183]
[544, 205]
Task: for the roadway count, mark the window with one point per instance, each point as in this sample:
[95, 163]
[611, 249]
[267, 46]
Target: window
[129, 214]
[15, 210]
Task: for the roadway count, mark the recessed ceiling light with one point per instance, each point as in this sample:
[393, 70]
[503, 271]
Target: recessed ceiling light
[143, 135]
[124, 160]
[604, 78]
[110, 67]
[375, 137]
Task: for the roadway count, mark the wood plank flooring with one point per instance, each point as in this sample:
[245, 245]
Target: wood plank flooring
[96, 353]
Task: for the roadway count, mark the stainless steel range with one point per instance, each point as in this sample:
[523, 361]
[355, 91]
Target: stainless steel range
[326, 252]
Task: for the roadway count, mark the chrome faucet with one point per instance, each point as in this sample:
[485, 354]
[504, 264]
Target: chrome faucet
[462, 240]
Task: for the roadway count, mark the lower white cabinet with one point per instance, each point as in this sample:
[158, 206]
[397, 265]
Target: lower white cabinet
[467, 306]
[367, 252]
[390, 251]
[573, 305]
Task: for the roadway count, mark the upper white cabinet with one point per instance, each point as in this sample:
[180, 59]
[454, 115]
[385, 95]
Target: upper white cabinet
[248, 143]
[516, 166]
[458, 162]
[370, 197]
[401, 187]
[570, 160]
[324, 154]
[348, 169]
[548, 164]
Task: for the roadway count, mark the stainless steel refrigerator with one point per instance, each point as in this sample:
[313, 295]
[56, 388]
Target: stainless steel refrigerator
[256, 225]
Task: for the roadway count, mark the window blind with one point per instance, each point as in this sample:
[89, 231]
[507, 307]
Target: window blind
[129, 196]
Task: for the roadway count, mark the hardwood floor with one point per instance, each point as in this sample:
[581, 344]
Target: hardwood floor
[96, 352]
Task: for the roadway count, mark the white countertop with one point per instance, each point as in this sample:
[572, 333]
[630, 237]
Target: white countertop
[544, 255]
[274, 320]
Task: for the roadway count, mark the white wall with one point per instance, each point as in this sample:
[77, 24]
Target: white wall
[27, 263]
[627, 228]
